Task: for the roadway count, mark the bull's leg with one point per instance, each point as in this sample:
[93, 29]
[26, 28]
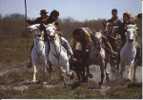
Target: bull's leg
[102, 74]
[84, 74]
[134, 74]
[34, 74]
[88, 72]
[107, 73]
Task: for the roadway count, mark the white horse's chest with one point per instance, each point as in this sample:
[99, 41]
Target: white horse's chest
[57, 55]
[128, 53]
[39, 46]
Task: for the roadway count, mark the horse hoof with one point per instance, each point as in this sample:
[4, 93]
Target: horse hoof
[35, 81]
[45, 83]
[100, 83]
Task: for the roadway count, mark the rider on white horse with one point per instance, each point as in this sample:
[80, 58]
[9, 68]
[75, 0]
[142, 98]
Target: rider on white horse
[53, 20]
[39, 20]
[129, 51]
[38, 54]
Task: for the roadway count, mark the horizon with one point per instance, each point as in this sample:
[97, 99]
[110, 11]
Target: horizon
[80, 10]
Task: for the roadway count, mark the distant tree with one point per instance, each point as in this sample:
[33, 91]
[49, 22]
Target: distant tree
[14, 17]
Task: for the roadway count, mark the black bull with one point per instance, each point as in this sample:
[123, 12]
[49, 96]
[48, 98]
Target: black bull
[80, 64]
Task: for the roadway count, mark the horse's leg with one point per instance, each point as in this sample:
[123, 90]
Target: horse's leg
[45, 68]
[131, 74]
[34, 58]
[34, 74]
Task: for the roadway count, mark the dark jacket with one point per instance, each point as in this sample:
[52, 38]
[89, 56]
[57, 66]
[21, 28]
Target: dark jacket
[116, 22]
[38, 20]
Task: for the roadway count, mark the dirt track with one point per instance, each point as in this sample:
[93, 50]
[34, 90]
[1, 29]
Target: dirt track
[96, 72]
[14, 79]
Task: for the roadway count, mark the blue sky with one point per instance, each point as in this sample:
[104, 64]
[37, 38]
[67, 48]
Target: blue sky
[77, 9]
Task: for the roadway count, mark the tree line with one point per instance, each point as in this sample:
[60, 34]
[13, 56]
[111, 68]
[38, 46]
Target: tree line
[14, 25]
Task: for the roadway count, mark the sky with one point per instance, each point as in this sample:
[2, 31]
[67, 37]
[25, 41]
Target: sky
[77, 9]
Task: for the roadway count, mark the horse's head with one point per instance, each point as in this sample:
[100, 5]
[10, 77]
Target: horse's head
[36, 30]
[131, 32]
[51, 30]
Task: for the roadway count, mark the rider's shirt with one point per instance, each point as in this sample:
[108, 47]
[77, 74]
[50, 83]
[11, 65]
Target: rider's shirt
[116, 22]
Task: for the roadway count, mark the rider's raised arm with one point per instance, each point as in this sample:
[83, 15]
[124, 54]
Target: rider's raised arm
[36, 21]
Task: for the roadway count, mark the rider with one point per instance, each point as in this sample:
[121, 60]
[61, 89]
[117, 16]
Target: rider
[53, 19]
[115, 29]
[40, 20]
[115, 21]
[126, 21]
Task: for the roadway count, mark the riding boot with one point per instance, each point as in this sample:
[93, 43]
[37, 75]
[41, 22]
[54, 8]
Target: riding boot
[67, 46]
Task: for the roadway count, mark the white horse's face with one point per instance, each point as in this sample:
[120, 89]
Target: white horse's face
[51, 30]
[131, 32]
[35, 29]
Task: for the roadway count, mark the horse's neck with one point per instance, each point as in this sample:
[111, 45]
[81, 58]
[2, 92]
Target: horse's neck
[131, 45]
[57, 40]
[38, 44]
[56, 44]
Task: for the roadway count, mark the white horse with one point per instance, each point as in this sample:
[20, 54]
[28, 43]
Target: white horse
[128, 52]
[57, 55]
[38, 54]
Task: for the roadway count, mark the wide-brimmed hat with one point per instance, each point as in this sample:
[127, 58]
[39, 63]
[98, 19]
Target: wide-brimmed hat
[43, 11]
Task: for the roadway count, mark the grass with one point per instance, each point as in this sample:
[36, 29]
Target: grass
[14, 49]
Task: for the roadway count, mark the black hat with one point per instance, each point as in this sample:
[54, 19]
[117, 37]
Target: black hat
[43, 11]
[114, 10]
[55, 12]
